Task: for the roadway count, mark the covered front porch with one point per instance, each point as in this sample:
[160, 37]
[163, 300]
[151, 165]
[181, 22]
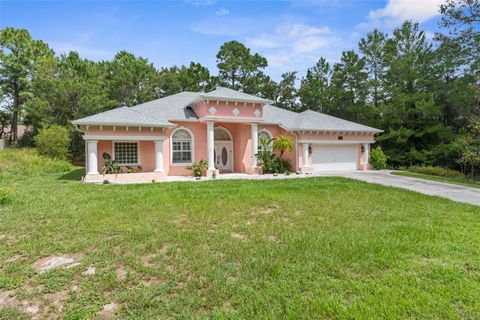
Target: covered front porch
[152, 154]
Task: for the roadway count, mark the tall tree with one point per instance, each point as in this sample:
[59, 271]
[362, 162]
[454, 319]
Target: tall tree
[21, 58]
[287, 93]
[462, 19]
[411, 116]
[314, 87]
[239, 69]
[72, 89]
[131, 80]
[373, 50]
[349, 88]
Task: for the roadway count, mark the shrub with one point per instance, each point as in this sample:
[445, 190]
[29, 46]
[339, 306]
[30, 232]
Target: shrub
[282, 143]
[437, 171]
[53, 142]
[378, 159]
[199, 167]
[27, 161]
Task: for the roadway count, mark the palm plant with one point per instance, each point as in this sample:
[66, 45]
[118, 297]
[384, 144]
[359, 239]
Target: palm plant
[282, 143]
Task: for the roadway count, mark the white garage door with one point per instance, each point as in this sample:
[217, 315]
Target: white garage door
[334, 157]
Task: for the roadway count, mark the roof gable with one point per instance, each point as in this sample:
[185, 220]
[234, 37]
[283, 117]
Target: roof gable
[177, 107]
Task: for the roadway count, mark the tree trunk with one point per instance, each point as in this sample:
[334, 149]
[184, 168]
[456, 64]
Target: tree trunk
[16, 106]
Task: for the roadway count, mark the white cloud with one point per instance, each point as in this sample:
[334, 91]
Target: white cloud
[222, 12]
[288, 44]
[396, 11]
[294, 46]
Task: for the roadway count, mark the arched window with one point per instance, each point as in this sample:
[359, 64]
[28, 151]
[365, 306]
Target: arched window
[264, 135]
[221, 134]
[182, 147]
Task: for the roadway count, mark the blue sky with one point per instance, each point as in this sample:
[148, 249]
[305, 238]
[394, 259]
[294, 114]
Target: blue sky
[293, 35]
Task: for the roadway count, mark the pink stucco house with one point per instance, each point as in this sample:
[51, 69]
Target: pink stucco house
[166, 135]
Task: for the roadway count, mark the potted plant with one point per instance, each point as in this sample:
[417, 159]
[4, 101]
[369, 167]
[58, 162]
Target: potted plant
[198, 168]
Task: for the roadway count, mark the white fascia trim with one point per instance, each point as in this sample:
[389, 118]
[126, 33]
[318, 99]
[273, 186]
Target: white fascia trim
[259, 100]
[339, 130]
[123, 124]
[233, 120]
[125, 138]
[335, 141]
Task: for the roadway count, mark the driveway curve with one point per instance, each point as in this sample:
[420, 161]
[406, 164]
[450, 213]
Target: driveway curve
[434, 188]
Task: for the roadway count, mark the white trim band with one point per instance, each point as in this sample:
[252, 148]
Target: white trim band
[125, 138]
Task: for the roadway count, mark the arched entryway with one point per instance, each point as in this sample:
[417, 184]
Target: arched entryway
[223, 150]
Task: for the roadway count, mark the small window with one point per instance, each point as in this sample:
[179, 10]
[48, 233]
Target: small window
[181, 147]
[264, 135]
[126, 153]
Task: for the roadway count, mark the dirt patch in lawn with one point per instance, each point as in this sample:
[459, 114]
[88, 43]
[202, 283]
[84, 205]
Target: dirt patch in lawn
[264, 211]
[108, 311]
[56, 262]
[238, 235]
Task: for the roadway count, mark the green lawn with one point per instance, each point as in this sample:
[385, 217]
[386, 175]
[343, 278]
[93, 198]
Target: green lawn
[322, 248]
[460, 181]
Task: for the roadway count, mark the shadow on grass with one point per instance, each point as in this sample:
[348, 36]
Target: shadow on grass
[75, 175]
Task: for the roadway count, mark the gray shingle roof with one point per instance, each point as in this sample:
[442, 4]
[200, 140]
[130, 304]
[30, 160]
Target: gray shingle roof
[124, 116]
[233, 95]
[177, 107]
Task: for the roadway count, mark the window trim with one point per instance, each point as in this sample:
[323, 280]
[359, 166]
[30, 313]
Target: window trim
[139, 163]
[192, 148]
[266, 131]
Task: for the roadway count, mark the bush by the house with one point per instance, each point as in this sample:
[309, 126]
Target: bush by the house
[378, 159]
[53, 142]
[271, 162]
[437, 171]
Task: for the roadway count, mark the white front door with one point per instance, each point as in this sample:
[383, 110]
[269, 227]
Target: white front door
[224, 156]
[334, 157]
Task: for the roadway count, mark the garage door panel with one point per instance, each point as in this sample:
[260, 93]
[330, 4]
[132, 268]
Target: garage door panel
[334, 157]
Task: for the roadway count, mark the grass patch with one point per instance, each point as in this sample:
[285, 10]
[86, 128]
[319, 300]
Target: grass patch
[459, 180]
[300, 249]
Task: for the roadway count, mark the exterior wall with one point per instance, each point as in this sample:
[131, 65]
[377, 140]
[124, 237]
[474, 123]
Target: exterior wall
[242, 144]
[275, 130]
[199, 131]
[146, 154]
[369, 138]
[225, 109]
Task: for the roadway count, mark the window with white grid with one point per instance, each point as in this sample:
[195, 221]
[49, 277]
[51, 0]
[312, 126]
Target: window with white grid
[126, 152]
[181, 147]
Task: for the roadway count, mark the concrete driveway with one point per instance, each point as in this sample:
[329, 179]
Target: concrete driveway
[450, 191]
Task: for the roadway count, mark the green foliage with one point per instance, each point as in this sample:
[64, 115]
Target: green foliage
[109, 165]
[29, 162]
[437, 171]
[21, 59]
[238, 68]
[4, 197]
[314, 88]
[378, 159]
[268, 160]
[53, 142]
[199, 167]
[282, 143]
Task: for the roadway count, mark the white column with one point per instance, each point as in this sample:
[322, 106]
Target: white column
[254, 144]
[210, 146]
[365, 154]
[158, 155]
[305, 154]
[92, 164]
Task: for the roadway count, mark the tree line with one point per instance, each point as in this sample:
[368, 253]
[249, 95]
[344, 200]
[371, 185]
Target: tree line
[424, 93]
